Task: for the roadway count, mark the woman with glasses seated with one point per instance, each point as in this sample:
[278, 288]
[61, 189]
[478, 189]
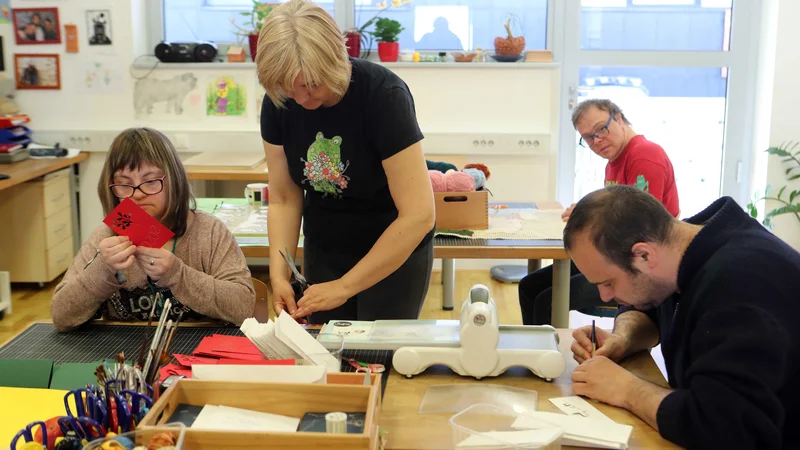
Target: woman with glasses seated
[201, 270]
[632, 160]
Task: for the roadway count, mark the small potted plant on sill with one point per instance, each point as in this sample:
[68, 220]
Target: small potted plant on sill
[386, 33]
[356, 38]
[509, 48]
[251, 28]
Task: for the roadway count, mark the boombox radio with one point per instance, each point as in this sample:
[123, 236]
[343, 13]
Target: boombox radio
[186, 52]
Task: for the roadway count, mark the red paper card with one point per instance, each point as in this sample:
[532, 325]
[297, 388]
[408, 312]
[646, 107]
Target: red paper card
[172, 369]
[241, 350]
[128, 219]
[188, 360]
[265, 362]
[234, 344]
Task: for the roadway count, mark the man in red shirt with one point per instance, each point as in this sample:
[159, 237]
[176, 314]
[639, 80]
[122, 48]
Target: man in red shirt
[632, 160]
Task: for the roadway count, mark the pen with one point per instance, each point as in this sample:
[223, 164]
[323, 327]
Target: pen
[594, 340]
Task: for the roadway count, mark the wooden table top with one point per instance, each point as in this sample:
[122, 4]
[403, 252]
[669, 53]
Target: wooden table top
[31, 168]
[258, 173]
[410, 430]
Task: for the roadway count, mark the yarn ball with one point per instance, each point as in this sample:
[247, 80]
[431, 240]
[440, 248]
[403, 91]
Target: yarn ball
[451, 182]
[161, 440]
[478, 176]
[440, 166]
[481, 167]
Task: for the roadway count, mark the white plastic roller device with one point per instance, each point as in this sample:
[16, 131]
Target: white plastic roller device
[487, 349]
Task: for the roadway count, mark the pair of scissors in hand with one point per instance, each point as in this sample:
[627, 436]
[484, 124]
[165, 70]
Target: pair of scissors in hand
[27, 434]
[300, 284]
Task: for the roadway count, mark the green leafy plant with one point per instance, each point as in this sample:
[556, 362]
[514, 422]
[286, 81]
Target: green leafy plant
[366, 36]
[386, 30]
[790, 153]
[256, 18]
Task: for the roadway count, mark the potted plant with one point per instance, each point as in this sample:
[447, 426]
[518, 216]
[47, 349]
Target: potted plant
[357, 37]
[509, 47]
[789, 204]
[252, 27]
[386, 33]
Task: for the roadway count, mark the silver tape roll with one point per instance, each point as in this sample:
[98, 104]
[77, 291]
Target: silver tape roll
[336, 422]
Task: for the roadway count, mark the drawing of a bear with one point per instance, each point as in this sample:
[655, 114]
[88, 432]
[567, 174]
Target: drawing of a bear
[150, 91]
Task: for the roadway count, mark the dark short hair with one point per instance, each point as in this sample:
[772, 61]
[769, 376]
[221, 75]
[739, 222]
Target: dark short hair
[136, 146]
[599, 103]
[616, 218]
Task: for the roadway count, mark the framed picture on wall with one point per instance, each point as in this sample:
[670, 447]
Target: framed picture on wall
[36, 26]
[35, 71]
[98, 22]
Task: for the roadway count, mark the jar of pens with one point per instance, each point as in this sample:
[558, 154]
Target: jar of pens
[104, 416]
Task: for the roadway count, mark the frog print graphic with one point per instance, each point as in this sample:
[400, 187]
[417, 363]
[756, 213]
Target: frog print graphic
[324, 168]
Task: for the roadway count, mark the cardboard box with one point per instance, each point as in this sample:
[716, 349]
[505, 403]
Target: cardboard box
[343, 392]
[462, 210]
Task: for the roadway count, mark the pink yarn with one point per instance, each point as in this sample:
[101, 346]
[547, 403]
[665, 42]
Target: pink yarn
[451, 181]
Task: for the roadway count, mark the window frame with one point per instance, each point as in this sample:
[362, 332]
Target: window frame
[344, 14]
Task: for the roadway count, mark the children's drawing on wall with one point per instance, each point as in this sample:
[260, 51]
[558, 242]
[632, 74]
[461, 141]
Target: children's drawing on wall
[226, 97]
[37, 26]
[5, 11]
[169, 98]
[98, 77]
[98, 26]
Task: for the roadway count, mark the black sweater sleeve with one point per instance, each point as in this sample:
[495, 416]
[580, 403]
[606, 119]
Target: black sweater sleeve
[738, 361]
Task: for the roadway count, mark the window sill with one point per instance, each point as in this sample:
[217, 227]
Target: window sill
[150, 63]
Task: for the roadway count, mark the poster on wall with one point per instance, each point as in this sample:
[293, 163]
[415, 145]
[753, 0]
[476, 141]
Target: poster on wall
[37, 71]
[98, 26]
[226, 97]
[260, 93]
[36, 26]
[173, 98]
[101, 77]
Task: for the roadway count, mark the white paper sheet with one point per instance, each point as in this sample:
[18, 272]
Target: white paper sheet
[269, 374]
[502, 439]
[576, 406]
[580, 431]
[226, 418]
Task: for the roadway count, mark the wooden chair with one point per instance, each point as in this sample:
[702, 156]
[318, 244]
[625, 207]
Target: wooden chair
[262, 309]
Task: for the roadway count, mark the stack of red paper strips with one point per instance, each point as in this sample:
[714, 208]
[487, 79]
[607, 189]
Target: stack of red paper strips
[220, 349]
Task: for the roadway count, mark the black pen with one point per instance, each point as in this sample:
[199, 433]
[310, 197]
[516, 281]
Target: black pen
[594, 340]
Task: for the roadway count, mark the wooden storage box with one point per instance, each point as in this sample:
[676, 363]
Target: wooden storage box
[343, 392]
[462, 210]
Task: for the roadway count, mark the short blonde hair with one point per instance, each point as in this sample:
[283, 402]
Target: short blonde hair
[300, 36]
[136, 146]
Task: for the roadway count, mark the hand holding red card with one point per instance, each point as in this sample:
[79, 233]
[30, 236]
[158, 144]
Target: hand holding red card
[128, 219]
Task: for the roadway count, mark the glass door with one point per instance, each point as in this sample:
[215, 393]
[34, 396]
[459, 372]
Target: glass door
[683, 73]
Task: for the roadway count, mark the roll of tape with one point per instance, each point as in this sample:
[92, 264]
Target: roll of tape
[336, 422]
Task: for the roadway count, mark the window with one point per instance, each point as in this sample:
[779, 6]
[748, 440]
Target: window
[429, 24]
[210, 20]
[461, 25]
[662, 25]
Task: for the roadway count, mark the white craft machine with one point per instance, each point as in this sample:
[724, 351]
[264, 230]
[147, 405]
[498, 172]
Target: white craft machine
[487, 349]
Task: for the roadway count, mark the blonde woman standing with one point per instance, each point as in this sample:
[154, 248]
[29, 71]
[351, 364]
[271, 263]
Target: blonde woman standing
[344, 154]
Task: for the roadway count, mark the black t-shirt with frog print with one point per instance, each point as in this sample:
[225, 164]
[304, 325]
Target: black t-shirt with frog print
[335, 155]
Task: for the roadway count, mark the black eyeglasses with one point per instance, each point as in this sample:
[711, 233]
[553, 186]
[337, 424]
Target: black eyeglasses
[602, 133]
[149, 187]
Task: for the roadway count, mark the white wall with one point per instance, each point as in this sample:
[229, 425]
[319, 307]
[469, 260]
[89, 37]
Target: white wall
[785, 100]
[456, 106]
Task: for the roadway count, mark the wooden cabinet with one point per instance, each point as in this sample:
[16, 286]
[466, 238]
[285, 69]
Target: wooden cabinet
[36, 242]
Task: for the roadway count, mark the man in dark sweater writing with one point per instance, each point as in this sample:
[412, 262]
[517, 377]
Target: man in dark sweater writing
[719, 292]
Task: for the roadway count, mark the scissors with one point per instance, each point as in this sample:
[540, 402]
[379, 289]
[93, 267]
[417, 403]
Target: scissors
[300, 284]
[87, 404]
[362, 366]
[83, 427]
[27, 435]
[136, 404]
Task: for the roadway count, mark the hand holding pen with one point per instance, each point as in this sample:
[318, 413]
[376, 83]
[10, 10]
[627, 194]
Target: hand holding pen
[591, 341]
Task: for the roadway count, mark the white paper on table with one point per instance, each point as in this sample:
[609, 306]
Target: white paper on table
[576, 406]
[292, 334]
[502, 439]
[226, 418]
[579, 430]
[267, 374]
